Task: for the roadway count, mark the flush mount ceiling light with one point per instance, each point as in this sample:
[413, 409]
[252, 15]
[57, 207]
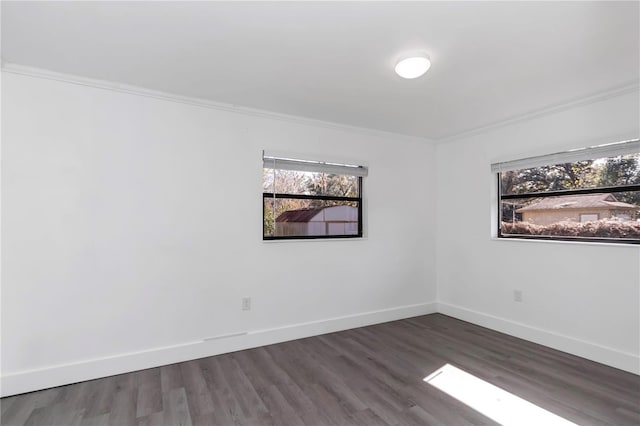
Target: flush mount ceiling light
[413, 67]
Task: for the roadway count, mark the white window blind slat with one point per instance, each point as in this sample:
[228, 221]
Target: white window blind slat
[591, 153]
[271, 162]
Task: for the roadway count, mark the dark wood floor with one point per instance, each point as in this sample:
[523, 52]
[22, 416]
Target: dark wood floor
[368, 376]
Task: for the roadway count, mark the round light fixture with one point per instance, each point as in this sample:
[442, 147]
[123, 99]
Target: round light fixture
[413, 67]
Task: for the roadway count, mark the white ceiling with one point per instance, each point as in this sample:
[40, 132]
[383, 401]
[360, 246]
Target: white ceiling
[334, 61]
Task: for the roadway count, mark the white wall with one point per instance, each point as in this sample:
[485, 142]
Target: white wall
[578, 297]
[132, 228]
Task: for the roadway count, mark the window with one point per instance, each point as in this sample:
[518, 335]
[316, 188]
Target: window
[590, 194]
[589, 217]
[304, 199]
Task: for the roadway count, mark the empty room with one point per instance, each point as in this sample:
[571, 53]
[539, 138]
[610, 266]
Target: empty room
[320, 213]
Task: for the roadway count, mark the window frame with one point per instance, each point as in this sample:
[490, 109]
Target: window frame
[546, 194]
[330, 169]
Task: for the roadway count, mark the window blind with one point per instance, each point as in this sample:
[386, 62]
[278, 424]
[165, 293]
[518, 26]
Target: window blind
[272, 162]
[581, 154]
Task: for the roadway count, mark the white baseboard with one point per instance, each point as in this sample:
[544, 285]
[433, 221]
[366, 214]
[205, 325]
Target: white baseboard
[58, 375]
[594, 352]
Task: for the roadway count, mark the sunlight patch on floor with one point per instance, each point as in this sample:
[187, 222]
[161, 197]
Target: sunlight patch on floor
[495, 403]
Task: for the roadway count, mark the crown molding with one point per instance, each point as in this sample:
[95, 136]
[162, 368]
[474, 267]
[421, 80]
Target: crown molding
[620, 90]
[42, 73]
[613, 92]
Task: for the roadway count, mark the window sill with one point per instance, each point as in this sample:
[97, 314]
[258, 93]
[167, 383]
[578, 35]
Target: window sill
[306, 240]
[587, 243]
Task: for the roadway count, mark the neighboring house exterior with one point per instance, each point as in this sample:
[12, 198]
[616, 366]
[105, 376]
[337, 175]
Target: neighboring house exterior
[577, 208]
[336, 220]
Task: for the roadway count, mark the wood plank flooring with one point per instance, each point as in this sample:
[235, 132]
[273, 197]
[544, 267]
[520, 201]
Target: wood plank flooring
[366, 376]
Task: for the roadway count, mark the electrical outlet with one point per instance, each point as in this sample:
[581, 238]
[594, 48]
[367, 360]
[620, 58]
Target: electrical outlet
[246, 303]
[517, 295]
